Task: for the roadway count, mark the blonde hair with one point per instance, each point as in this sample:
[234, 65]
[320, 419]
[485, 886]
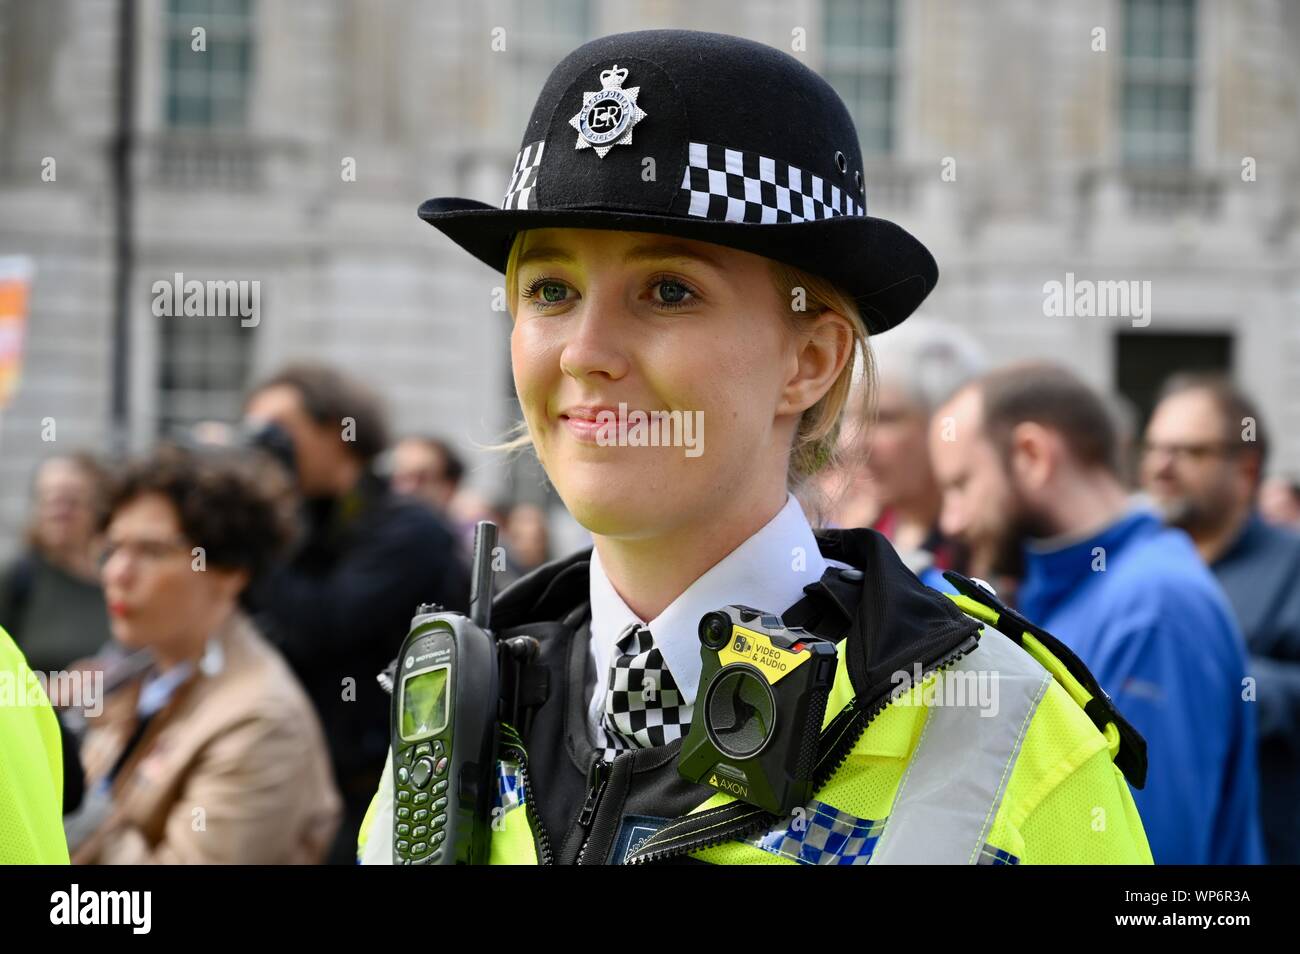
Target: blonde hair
[816, 440]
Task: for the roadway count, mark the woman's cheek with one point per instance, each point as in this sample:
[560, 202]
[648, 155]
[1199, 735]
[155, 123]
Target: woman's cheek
[526, 360]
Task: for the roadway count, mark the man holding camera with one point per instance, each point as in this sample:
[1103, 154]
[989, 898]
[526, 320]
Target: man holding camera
[339, 608]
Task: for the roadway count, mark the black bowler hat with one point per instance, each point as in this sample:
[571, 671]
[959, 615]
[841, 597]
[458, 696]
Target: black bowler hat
[751, 150]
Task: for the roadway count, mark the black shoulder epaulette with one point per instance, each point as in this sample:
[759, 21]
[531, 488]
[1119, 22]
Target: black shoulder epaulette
[1132, 755]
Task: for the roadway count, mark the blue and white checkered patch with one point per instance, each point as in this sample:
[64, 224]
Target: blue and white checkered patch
[510, 787]
[733, 185]
[523, 180]
[823, 835]
[990, 855]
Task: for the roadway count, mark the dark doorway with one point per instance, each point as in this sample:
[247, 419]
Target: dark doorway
[1144, 361]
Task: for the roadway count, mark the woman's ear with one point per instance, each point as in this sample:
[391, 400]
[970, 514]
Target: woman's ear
[822, 346]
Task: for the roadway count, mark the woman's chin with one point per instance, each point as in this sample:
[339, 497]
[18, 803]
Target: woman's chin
[126, 635]
[614, 510]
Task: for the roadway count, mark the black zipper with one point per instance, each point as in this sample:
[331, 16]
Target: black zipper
[737, 820]
[597, 782]
[597, 779]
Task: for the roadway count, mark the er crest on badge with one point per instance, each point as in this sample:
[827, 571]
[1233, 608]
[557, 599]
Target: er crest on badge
[607, 116]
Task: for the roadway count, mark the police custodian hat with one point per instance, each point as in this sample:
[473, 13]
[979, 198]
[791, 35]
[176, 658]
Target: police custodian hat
[751, 149]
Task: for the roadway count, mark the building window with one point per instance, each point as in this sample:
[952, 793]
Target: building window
[546, 32]
[1159, 75]
[203, 371]
[208, 87]
[862, 65]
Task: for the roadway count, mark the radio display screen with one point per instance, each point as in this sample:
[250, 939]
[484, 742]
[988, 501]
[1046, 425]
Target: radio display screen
[424, 703]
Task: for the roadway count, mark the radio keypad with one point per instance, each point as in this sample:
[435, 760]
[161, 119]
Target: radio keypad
[421, 774]
[417, 835]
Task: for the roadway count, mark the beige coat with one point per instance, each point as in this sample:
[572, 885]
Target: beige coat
[234, 768]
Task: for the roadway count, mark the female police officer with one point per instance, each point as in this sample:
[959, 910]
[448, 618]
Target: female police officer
[685, 235]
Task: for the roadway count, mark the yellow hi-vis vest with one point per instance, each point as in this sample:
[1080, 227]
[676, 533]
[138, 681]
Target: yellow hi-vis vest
[31, 769]
[991, 760]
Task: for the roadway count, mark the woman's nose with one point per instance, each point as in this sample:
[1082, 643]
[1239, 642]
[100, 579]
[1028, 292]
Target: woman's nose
[117, 569]
[598, 341]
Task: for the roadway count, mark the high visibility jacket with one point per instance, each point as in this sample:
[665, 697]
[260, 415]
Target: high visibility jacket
[956, 732]
[31, 767]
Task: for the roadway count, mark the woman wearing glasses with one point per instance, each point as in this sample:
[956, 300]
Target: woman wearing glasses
[212, 754]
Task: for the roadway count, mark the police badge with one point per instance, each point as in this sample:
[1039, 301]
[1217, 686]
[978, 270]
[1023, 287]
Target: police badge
[607, 117]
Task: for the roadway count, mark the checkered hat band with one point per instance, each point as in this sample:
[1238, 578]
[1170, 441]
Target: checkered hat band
[725, 185]
[733, 185]
[521, 193]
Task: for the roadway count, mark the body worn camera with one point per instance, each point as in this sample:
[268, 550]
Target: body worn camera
[758, 714]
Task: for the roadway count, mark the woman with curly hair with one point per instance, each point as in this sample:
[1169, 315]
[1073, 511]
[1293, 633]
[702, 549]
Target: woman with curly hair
[213, 754]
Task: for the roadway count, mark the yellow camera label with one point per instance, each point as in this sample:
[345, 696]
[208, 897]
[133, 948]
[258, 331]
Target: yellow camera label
[756, 649]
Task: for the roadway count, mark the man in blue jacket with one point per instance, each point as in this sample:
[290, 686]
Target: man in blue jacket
[1027, 460]
[1205, 454]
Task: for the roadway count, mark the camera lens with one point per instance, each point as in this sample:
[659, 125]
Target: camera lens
[715, 629]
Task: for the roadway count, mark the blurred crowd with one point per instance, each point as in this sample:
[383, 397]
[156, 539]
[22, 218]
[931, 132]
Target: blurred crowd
[242, 720]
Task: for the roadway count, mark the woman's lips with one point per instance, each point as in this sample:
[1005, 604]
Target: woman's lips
[584, 425]
[117, 609]
[583, 430]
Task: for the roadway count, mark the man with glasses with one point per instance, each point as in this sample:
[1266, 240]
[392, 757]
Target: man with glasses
[1203, 462]
[1027, 461]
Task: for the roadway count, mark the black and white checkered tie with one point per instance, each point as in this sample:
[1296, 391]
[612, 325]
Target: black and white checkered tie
[643, 706]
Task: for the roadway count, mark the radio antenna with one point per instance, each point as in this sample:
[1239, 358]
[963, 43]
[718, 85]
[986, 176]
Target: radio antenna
[480, 594]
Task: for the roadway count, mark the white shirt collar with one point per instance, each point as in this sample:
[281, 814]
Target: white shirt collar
[768, 572]
[157, 688]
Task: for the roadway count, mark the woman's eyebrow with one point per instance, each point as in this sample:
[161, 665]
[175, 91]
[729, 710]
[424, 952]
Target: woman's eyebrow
[650, 251]
[662, 250]
[544, 253]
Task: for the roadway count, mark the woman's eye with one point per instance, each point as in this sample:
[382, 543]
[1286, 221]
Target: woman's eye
[672, 292]
[544, 292]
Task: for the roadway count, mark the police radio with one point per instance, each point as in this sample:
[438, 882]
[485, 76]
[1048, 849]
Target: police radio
[758, 714]
[443, 729]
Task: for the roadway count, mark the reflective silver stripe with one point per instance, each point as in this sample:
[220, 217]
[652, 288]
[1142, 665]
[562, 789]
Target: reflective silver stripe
[950, 793]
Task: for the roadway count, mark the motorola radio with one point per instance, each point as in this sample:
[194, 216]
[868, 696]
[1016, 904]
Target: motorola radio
[443, 728]
[758, 714]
